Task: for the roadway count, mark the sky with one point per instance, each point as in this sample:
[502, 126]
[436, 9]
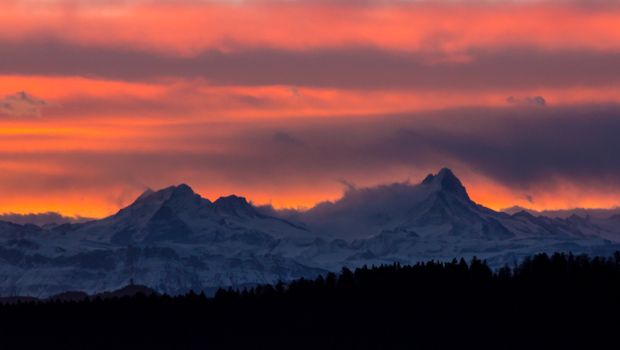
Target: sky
[290, 103]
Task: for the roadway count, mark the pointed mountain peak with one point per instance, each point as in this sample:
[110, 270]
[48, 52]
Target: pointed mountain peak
[231, 200]
[182, 197]
[178, 198]
[524, 213]
[428, 179]
[448, 182]
[150, 196]
[578, 219]
[145, 194]
[234, 205]
[181, 190]
[443, 173]
[446, 173]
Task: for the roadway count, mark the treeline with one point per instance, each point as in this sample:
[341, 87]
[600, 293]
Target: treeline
[558, 271]
[544, 302]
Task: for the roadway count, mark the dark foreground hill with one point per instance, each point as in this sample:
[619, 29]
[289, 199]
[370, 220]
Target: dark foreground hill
[562, 301]
[127, 291]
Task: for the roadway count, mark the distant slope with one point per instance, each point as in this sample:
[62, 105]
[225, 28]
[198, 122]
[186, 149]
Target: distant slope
[127, 291]
[177, 240]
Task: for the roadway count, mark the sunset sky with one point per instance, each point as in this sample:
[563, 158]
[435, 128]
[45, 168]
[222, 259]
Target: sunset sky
[290, 102]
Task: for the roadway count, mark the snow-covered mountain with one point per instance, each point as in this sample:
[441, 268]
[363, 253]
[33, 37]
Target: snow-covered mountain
[177, 240]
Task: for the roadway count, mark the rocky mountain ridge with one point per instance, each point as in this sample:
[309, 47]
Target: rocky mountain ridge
[176, 240]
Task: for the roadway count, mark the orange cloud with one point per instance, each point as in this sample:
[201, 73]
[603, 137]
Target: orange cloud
[187, 101]
[90, 203]
[565, 195]
[99, 141]
[100, 115]
[187, 28]
[61, 88]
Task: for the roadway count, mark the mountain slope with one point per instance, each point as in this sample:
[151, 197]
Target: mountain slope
[176, 240]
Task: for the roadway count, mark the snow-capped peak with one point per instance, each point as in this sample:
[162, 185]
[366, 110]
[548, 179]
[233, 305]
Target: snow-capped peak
[150, 196]
[145, 194]
[447, 182]
[181, 191]
[234, 205]
[182, 198]
[180, 240]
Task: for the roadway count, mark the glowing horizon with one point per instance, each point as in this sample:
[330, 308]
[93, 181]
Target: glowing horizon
[480, 195]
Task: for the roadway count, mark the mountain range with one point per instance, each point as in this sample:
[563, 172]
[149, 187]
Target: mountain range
[173, 240]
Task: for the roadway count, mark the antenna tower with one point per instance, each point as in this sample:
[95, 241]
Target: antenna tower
[131, 273]
[129, 252]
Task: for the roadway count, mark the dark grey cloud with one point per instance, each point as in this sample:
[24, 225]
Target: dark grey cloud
[518, 147]
[360, 212]
[41, 219]
[520, 150]
[282, 137]
[294, 91]
[359, 68]
[21, 104]
[524, 148]
[529, 101]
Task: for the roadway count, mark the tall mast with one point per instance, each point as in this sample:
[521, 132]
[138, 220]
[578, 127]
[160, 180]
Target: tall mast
[129, 252]
[131, 273]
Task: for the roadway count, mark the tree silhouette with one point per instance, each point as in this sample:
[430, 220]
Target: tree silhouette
[557, 301]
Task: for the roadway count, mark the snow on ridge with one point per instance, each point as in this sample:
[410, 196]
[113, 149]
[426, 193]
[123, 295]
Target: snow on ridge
[177, 240]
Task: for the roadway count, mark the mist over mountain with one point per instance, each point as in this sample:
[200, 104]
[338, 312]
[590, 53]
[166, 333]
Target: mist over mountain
[599, 213]
[174, 240]
[41, 219]
[361, 213]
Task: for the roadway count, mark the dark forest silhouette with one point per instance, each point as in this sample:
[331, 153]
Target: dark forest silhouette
[544, 302]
